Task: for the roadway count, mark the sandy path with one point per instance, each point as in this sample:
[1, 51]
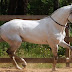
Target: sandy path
[35, 70]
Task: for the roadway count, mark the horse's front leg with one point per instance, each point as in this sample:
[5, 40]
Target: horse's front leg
[65, 45]
[54, 51]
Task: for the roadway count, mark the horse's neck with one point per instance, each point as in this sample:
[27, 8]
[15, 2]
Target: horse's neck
[61, 15]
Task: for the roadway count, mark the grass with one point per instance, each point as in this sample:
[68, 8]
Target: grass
[28, 50]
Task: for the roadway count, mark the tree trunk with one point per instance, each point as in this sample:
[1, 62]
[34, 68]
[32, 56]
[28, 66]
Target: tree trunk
[21, 7]
[12, 7]
[1, 6]
[25, 6]
[6, 5]
[17, 7]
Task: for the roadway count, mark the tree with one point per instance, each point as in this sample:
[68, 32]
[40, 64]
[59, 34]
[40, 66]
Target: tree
[21, 7]
[40, 7]
[18, 7]
[69, 1]
[12, 7]
[3, 7]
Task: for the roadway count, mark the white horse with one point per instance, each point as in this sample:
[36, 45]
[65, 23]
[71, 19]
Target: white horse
[49, 30]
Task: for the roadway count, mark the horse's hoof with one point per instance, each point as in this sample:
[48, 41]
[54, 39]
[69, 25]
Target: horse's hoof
[19, 68]
[54, 70]
[24, 65]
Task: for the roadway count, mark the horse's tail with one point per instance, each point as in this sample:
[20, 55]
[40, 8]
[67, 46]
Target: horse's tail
[1, 40]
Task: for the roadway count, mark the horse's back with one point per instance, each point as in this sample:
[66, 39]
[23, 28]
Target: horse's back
[31, 31]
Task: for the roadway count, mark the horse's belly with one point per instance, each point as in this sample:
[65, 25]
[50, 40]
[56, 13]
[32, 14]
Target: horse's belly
[35, 40]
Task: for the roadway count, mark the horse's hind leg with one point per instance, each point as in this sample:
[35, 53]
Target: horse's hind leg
[14, 45]
[11, 52]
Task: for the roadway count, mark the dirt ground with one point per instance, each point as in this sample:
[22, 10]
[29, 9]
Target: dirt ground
[35, 70]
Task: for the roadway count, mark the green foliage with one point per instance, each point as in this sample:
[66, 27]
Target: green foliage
[35, 7]
[63, 2]
[3, 47]
[61, 52]
[34, 50]
[29, 50]
[40, 7]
